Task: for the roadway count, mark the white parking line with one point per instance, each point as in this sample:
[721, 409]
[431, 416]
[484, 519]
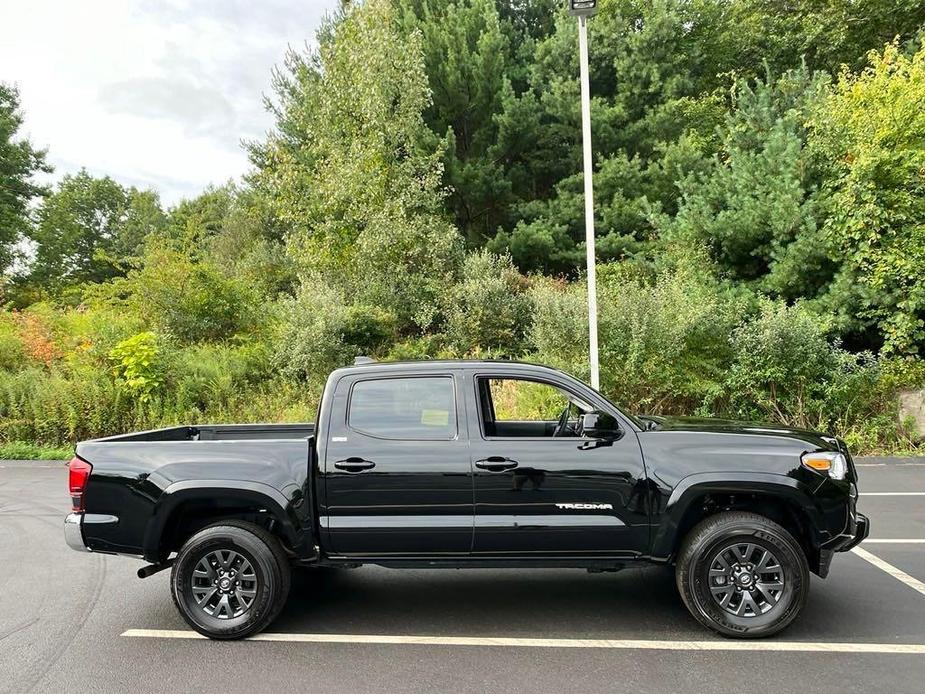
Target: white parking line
[30, 467]
[898, 574]
[892, 493]
[889, 464]
[893, 541]
[496, 641]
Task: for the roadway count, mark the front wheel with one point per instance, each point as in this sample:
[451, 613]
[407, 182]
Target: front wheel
[230, 580]
[742, 575]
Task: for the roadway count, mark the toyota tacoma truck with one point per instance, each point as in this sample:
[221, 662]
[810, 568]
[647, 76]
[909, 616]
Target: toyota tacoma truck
[470, 464]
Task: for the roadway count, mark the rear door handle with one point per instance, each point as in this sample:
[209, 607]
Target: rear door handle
[354, 465]
[496, 464]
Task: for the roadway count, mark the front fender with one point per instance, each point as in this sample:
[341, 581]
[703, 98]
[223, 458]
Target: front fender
[691, 489]
[252, 493]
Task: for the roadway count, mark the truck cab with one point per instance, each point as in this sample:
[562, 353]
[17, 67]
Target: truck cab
[440, 460]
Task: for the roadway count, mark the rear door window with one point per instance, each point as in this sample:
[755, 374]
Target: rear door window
[404, 408]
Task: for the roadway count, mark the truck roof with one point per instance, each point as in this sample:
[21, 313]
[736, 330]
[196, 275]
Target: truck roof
[427, 364]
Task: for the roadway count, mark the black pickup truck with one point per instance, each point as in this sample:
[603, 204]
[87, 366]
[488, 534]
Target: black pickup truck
[470, 464]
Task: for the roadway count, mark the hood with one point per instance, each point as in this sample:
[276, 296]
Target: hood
[727, 426]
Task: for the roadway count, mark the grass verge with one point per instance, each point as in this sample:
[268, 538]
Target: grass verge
[21, 450]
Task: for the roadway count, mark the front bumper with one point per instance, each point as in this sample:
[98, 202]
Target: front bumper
[73, 532]
[855, 533]
[861, 531]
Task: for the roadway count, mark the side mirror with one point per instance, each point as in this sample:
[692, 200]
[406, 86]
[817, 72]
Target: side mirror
[600, 425]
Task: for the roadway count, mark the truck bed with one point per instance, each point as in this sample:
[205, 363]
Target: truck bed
[217, 432]
[141, 482]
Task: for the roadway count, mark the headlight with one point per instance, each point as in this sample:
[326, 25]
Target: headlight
[834, 464]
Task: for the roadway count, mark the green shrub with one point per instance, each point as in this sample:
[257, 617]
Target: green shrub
[12, 351]
[488, 308]
[55, 407]
[186, 298]
[46, 407]
[867, 139]
[558, 334]
[525, 400]
[786, 368]
[200, 376]
[320, 331]
[22, 450]
[368, 328]
[421, 347]
[87, 334]
[138, 366]
[664, 343]
[783, 361]
[271, 401]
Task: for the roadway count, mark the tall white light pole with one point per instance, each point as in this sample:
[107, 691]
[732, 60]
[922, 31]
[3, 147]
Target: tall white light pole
[584, 9]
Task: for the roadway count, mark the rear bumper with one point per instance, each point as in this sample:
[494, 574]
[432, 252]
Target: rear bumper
[73, 532]
[74, 524]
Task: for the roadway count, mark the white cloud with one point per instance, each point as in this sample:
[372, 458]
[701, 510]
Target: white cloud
[154, 94]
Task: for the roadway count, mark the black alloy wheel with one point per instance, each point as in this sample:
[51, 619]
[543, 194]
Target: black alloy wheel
[746, 579]
[742, 575]
[230, 580]
[224, 584]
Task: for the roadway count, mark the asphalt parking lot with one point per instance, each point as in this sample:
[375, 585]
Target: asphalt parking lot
[72, 622]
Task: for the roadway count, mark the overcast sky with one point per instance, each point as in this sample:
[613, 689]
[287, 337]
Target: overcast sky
[155, 93]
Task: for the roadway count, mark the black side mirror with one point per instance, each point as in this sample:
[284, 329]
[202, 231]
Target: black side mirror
[600, 425]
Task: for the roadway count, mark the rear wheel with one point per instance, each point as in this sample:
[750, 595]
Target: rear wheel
[230, 580]
[742, 575]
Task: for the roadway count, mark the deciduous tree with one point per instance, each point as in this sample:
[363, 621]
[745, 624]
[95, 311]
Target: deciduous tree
[88, 228]
[20, 161]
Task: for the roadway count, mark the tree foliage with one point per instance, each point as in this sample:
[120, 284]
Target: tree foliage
[869, 137]
[20, 161]
[354, 173]
[185, 296]
[88, 228]
[758, 173]
[755, 205]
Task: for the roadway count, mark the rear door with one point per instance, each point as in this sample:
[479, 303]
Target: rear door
[396, 472]
[541, 488]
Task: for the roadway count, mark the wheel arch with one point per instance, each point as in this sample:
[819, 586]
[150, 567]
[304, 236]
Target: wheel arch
[778, 497]
[185, 507]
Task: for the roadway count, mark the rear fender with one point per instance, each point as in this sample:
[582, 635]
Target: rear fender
[255, 494]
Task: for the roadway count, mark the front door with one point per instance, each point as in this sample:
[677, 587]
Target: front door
[541, 487]
[397, 472]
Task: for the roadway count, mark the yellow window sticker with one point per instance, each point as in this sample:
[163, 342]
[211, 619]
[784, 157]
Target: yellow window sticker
[435, 418]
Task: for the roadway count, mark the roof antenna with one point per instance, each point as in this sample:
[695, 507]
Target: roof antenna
[363, 360]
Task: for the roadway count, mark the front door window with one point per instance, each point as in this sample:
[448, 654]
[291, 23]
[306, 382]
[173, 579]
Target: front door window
[513, 407]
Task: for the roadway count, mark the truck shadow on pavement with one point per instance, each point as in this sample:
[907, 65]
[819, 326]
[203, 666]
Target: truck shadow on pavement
[483, 602]
[860, 603]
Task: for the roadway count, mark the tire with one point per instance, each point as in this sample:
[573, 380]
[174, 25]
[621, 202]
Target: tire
[724, 559]
[229, 551]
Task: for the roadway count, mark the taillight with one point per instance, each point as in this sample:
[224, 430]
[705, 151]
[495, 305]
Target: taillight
[78, 474]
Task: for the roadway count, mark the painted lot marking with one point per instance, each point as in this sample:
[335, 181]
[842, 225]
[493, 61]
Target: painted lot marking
[30, 467]
[898, 574]
[893, 494]
[494, 641]
[893, 541]
[889, 464]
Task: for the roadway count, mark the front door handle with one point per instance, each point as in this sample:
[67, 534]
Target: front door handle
[496, 464]
[354, 465]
